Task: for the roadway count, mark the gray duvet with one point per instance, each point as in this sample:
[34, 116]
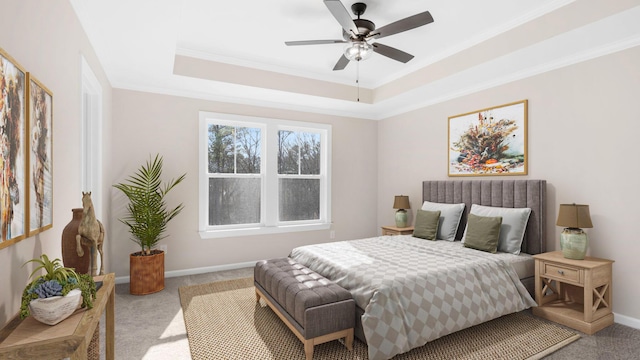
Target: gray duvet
[413, 290]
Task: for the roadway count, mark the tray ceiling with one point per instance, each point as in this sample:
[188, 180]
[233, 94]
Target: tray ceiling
[234, 51]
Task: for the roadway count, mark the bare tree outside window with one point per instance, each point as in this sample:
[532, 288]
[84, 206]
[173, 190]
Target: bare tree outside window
[221, 145]
[248, 150]
[287, 152]
[309, 153]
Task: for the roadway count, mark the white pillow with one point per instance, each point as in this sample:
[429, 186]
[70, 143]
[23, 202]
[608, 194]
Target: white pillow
[450, 215]
[514, 224]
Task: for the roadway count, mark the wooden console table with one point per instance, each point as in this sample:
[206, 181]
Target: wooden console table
[31, 339]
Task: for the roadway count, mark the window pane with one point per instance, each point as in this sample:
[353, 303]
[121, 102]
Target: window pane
[309, 153]
[221, 145]
[248, 150]
[287, 152]
[299, 199]
[234, 201]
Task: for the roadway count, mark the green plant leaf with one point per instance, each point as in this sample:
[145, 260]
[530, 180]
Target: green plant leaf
[147, 214]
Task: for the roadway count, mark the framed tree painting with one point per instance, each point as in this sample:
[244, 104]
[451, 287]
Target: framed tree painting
[490, 141]
[40, 162]
[12, 155]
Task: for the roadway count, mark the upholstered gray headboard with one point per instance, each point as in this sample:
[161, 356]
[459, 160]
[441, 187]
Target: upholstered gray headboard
[501, 193]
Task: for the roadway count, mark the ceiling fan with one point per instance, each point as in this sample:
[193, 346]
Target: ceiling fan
[358, 32]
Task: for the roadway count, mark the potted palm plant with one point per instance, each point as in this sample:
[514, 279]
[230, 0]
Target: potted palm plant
[147, 217]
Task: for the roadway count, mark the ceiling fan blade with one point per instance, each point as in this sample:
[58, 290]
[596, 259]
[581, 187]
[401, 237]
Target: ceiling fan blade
[392, 52]
[342, 63]
[405, 24]
[342, 15]
[314, 42]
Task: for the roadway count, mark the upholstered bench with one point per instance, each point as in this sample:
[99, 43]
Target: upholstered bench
[314, 308]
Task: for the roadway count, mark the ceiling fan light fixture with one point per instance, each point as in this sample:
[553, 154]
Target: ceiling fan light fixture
[356, 32]
[358, 50]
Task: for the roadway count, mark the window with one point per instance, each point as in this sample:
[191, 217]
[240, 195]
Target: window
[235, 181]
[299, 156]
[261, 175]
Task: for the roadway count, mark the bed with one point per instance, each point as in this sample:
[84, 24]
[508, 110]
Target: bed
[410, 291]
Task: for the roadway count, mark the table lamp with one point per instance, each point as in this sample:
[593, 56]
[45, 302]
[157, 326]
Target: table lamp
[574, 241]
[401, 203]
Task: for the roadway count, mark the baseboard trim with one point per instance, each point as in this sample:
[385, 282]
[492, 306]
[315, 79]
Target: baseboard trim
[626, 320]
[195, 271]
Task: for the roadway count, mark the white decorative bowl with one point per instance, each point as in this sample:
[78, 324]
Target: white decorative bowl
[52, 310]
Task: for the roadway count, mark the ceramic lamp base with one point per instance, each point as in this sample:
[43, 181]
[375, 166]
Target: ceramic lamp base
[401, 218]
[574, 243]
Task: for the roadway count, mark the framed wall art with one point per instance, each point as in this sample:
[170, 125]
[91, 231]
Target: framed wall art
[40, 164]
[490, 141]
[12, 155]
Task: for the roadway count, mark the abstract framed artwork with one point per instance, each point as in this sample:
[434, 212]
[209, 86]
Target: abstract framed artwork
[489, 142]
[40, 164]
[12, 155]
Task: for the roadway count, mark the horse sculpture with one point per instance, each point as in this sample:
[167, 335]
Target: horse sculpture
[90, 233]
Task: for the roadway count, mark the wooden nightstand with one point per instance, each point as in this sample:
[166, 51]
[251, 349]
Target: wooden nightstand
[575, 293]
[392, 230]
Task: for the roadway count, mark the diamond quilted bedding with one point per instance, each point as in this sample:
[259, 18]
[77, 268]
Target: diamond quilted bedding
[413, 290]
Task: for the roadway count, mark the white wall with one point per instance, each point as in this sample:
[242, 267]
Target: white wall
[145, 124]
[46, 38]
[583, 137]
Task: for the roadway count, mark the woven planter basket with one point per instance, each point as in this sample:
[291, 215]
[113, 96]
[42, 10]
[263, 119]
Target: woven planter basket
[52, 310]
[146, 273]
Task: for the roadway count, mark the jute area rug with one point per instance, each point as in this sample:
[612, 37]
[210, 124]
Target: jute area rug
[224, 321]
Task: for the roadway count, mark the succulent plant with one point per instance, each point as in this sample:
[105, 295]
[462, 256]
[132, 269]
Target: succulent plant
[57, 281]
[48, 289]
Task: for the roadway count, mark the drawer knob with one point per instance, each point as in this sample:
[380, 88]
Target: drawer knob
[561, 272]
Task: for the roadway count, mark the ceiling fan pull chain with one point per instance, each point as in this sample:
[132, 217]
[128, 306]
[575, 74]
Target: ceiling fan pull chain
[358, 78]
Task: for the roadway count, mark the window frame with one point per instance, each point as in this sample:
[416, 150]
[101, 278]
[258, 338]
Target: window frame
[269, 204]
[91, 139]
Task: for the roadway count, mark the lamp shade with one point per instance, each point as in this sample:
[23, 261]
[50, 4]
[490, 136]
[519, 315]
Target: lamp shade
[401, 202]
[574, 216]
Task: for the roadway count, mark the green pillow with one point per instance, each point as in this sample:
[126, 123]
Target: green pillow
[426, 224]
[483, 233]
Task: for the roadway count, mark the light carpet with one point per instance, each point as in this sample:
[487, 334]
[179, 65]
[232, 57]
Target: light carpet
[224, 321]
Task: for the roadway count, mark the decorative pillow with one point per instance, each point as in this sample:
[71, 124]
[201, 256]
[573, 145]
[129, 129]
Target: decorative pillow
[482, 233]
[426, 224]
[514, 224]
[450, 215]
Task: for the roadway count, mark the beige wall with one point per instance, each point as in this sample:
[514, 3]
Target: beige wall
[583, 137]
[148, 123]
[46, 38]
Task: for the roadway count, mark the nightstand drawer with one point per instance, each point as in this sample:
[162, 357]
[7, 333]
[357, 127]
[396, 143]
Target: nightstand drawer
[564, 273]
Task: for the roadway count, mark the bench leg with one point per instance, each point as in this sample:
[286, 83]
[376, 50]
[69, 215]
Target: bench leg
[308, 349]
[257, 295]
[348, 340]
